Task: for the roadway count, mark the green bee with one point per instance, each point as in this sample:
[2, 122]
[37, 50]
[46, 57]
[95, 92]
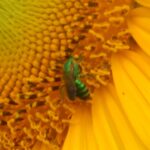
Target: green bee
[74, 86]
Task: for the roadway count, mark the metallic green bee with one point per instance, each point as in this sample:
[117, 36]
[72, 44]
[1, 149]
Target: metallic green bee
[74, 87]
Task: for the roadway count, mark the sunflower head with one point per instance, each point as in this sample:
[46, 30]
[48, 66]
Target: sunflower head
[37, 38]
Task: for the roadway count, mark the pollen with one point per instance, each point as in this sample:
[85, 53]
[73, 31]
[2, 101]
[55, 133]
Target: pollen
[36, 39]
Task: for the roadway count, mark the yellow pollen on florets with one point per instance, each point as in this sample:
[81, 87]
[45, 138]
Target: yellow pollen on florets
[35, 41]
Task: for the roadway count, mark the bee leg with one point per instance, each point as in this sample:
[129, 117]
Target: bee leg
[62, 91]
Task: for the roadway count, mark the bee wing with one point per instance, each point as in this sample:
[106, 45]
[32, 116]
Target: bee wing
[70, 86]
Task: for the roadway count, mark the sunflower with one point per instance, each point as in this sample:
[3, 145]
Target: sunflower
[108, 40]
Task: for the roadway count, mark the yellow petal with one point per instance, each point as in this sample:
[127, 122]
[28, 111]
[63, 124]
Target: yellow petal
[132, 85]
[104, 127]
[80, 135]
[111, 125]
[140, 56]
[139, 26]
[144, 2]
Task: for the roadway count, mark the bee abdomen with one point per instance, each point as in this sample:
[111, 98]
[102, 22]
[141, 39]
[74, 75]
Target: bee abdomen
[82, 90]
